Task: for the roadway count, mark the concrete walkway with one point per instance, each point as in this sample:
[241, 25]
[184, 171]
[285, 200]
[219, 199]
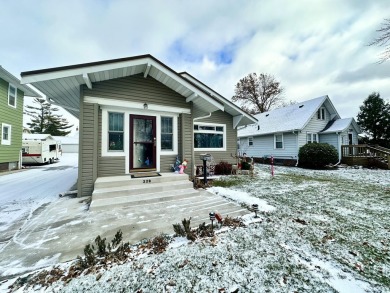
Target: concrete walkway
[60, 231]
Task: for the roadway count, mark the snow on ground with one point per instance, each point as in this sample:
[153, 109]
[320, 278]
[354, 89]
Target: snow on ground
[329, 231]
[24, 192]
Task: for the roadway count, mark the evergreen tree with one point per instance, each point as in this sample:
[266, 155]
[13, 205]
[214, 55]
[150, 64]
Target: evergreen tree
[44, 119]
[374, 119]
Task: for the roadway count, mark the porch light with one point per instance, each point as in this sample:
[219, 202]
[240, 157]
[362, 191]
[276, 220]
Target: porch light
[145, 106]
[255, 208]
[212, 219]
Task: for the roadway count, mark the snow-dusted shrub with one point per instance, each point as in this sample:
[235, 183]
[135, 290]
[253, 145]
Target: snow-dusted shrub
[317, 155]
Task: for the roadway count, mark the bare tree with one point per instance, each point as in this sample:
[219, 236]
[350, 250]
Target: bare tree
[258, 93]
[383, 40]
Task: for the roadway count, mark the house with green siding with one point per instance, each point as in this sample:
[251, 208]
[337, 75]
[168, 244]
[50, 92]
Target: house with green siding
[11, 119]
[137, 115]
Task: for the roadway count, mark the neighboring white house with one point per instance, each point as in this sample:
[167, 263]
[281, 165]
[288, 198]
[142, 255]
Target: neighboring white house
[281, 132]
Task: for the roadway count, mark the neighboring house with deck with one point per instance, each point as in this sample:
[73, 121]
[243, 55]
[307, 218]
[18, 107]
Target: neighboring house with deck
[11, 119]
[137, 114]
[281, 132]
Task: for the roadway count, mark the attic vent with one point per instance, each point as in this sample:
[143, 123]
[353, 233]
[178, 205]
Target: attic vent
[301, 106]
[267, 115]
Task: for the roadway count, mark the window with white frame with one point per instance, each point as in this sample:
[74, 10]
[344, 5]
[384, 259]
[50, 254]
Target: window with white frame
[278, 138]
[166, 133]
[209, 136]
[12, 95]
[115, 131]
[311, 137]
[5, 134]
[321, 113]
[250, 141]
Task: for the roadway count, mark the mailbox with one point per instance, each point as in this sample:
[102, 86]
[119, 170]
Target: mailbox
[205, 157]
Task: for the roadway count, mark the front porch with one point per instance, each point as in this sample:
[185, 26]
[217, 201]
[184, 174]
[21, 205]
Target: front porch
[366, 155]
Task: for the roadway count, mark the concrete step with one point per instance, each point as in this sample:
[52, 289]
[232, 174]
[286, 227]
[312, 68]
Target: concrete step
[140, 189]
[141, 198]
[126, 180]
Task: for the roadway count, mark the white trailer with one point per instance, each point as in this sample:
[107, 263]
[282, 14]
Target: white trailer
[40, 149]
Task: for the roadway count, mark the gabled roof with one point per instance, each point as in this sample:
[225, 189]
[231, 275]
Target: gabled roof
[287, 119]
[62, 84]
[341, 125]
[8, 77]
[36, 136]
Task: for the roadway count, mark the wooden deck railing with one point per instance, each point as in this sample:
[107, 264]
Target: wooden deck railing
[364, 154]
[364, 150]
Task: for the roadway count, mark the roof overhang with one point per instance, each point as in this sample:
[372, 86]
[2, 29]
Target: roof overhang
[8, 77]
[240, 117]
[61, 85]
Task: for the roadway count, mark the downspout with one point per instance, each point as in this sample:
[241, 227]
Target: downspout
[297, 134]
[193, 171]
[338, 147]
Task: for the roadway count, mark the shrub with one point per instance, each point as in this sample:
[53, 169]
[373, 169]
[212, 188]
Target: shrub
[245, 166]
[223, 168]
[317, 155]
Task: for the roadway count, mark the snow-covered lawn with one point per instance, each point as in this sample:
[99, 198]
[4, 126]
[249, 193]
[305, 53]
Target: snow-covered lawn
[319, 231]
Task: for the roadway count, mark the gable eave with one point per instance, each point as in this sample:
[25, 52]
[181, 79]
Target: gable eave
[62, 84]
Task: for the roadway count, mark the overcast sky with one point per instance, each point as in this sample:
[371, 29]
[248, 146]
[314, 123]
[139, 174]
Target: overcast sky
[313, 48]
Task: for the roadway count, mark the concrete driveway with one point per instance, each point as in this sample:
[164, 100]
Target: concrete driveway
[39, 229]
[25, 193]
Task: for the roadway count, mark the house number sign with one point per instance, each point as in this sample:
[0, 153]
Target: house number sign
[147, 181]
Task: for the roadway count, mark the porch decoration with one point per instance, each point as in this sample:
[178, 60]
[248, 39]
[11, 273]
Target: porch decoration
[218, 216]
[212, 219]
[183, 166]
[255, 208]
[176, 167]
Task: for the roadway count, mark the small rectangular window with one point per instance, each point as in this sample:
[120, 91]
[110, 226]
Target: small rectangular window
[278, 141]
[5, 134]
[321, 113]
[311, 137]
[12, 95]
[115, 131]
[250, 141]
[167, 133]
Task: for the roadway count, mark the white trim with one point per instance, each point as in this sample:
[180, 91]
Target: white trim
[147, 70]
[135, 105]
[87, 80]
[282, 148]
[250, 139]
[104, 146]
[209, 131]
[321, 110]
[16, 95]
[175, 136]
[311, 137]
[39, 77]
[6, 141]
[191, 98]
[236, 120]
[126, 136]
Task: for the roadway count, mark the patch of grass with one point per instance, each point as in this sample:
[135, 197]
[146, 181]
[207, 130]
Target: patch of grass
[229, 182]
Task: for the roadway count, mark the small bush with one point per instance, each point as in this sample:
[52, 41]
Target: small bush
[223, 168]
[245, 166]
[317, 155]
